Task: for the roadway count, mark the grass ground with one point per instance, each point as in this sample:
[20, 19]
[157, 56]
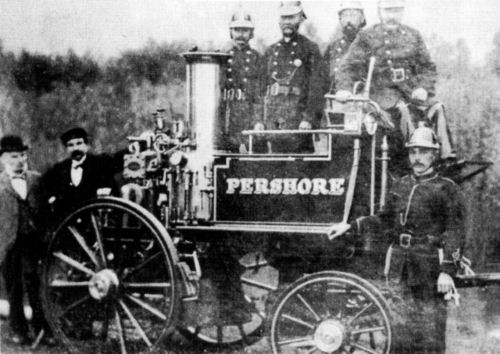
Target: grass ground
[473, 328]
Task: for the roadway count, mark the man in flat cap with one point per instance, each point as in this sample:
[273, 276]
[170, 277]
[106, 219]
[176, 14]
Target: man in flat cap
[79, 177]
[21, 237]
[404, 76]
[294, 78]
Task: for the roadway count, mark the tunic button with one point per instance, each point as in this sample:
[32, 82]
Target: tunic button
[294, 44]
[288, 72]
[245, 79]
[249, 52]
[386, 41]
[275, 63]
[229, 70]
[337, 60]
[339, 49]
[389, 62]
[279, 44]
[230, 61]
[342, 41]
[248, 60]
[404, 32]
[276, 54]
[292, 53]
[336, 69]
[230, 80]
[290, 62]
[231, 52]
[246, 68]
[274, 73]
[388, 52]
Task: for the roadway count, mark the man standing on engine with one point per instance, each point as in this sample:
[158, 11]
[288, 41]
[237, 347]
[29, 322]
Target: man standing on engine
[352, 20]
[295, 86]
[404, 76]
[242, 86]
[424, 219]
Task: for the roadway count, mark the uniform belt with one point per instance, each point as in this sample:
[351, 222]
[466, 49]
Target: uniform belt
[278, 89]
[399, 74]
[406, 240]
[233, 95]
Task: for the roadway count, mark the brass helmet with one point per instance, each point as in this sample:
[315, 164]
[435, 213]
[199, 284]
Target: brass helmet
[350, 4]
[384, 4]
[290, 8]
[241, 19]
[423, 137]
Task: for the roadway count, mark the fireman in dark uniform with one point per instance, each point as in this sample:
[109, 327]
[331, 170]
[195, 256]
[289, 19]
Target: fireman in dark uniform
[295, 82]
[424, 217]
[352, 20]
[242, 86]
[404, 77]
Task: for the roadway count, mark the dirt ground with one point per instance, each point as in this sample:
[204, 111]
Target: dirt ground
[473, 328]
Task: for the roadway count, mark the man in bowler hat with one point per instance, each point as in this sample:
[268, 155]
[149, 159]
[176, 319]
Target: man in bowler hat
[21, 238]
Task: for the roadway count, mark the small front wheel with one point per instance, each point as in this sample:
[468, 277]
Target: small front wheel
[331, 312]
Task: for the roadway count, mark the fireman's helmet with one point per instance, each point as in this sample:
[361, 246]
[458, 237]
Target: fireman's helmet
[290, 8]
[241, 19]
[384, 4]
[423, 137]
[350, 4]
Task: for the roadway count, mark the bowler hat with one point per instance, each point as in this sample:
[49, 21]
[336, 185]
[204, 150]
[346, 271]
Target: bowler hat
[12, 143]
[74, 133]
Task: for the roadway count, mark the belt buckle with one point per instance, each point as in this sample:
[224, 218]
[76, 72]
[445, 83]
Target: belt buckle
[398, 75]
[275, 89]
[405, 240]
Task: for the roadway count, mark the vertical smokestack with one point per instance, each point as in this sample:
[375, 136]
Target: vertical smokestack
[203, 97]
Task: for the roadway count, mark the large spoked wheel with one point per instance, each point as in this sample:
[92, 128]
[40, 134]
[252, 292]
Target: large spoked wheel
[109, 279]
[331, 312]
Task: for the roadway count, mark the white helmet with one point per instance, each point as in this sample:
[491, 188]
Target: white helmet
[384, 4]
[350, 4]
[241, 19]
[423, 137]
[290, 8]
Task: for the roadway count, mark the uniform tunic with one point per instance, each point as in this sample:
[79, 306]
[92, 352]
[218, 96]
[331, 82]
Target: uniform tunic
[402, 65]
[241, 96]
[333, 56]
[430, 210]
[294, 83]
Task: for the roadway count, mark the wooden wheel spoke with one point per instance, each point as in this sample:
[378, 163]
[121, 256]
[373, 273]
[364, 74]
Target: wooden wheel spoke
[135, 323]
[75, 264]
[147, 307]
[58, 283]
[119, 327]
[143, 263]
[75, 304]
[363, 310]
[309, 307]
[151, 286]
[363, 348]
[81, 241]
[368, 330]
[298, 320]
[298, 342]
[98, 237]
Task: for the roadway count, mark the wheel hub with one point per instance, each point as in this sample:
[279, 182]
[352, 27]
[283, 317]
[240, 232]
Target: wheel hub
[102, 284]
[329, 336]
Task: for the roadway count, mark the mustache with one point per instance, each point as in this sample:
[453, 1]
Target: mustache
[77, 155]
[417, 164]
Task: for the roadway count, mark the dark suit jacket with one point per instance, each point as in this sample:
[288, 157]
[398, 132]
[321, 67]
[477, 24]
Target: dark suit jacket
[9, 209]
[98, 172]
